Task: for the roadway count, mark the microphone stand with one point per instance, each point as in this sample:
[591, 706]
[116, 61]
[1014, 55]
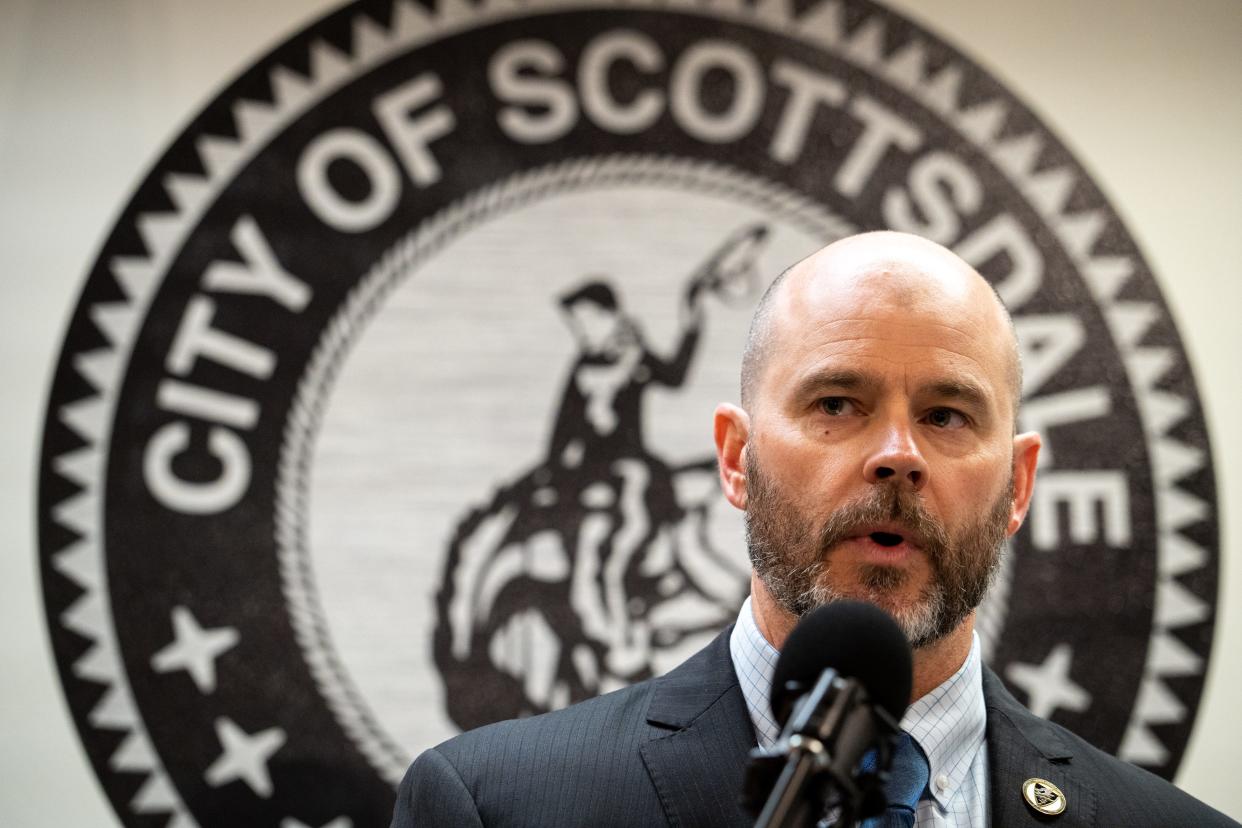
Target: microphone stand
[812, 770]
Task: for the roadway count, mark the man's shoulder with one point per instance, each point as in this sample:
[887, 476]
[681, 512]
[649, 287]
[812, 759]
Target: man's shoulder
[616, 723]
[611, 719]
[1123, 793]
[536, 770]
[583, 765]
[1123, 786]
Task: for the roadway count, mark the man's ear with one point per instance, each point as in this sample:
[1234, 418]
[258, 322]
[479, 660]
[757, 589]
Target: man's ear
[732, 431]
[1025, 459]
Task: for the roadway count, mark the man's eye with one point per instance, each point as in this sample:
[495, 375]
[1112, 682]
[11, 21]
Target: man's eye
[946, 418]
[837, 406]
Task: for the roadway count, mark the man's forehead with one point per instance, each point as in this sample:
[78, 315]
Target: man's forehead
[843, 280]
[890, 271]
[898, 306]
[913, 337]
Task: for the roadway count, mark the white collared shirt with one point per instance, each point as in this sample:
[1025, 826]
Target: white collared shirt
[949, 724]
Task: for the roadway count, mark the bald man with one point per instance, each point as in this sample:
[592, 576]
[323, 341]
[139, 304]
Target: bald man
[875, 457]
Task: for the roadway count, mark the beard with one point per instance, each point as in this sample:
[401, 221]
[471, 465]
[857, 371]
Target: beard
[791, 555]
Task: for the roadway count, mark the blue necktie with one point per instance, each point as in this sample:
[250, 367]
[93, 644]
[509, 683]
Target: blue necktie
[907, 781]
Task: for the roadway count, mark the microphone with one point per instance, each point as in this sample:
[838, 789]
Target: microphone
[840, 688]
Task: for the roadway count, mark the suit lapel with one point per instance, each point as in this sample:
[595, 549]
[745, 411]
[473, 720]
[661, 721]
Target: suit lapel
[698, 765]
[1021, 746]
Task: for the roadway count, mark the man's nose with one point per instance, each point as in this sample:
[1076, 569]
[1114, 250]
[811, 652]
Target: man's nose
[897, 457]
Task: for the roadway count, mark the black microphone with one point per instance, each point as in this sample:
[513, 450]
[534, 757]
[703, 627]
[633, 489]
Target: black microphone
[840, 688]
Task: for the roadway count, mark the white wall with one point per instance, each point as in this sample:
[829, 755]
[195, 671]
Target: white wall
[1144, 93]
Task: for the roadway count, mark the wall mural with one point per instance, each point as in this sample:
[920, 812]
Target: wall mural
[385, 410]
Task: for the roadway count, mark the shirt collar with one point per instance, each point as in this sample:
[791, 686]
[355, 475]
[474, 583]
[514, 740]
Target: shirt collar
[754, 660]
[949, 722]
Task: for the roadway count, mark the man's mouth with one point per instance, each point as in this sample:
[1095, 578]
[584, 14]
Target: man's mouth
[889, 536]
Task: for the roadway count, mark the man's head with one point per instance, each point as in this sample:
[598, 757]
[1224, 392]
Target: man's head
[594, 315]
[875, 453]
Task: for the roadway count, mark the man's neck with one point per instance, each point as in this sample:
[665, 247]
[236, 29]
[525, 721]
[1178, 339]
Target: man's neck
[933, 664]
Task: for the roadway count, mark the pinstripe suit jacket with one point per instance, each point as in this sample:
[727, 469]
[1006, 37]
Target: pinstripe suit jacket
[672, 751]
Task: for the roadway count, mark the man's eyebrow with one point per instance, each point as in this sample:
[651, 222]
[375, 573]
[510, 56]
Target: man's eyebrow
[958, 389]
[842, 379]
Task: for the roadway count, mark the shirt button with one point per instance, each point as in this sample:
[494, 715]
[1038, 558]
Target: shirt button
[942, 783]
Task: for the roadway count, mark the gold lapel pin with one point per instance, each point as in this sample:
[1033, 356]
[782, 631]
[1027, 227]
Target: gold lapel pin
[1043, 796]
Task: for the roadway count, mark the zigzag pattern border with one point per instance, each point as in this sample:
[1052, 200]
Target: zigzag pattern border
[823, 25]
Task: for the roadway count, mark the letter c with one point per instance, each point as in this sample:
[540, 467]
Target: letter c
[189, 497]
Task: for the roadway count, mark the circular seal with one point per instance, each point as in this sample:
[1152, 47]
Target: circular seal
[384, 411]
[1043, 797]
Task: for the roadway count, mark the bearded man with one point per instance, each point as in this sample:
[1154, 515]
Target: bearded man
[875, 456]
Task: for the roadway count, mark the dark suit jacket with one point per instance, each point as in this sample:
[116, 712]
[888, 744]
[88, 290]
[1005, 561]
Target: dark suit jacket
[672, 751]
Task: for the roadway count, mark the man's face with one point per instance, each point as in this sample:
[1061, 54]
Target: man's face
[880, 459]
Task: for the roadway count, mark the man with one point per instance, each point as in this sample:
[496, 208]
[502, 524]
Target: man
[875, 457]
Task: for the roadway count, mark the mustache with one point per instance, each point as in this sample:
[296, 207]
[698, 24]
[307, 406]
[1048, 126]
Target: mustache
[892, 504]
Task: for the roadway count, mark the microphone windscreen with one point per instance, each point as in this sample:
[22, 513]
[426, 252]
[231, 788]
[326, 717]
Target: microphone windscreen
[859, 641]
